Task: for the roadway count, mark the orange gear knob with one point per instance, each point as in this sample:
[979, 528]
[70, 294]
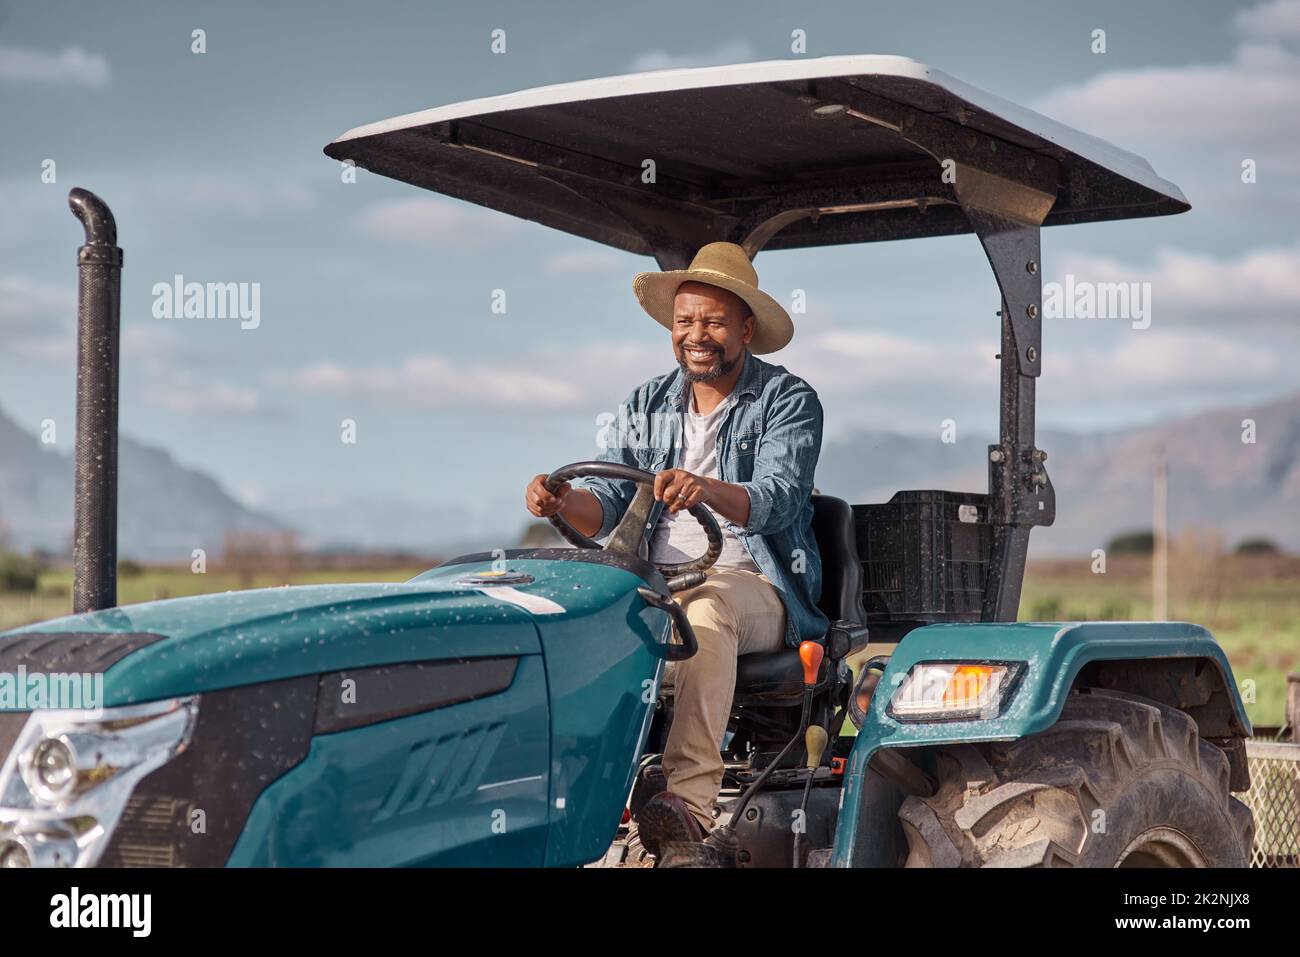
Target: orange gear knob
[811, 654]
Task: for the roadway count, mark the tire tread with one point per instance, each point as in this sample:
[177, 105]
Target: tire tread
[1036, 807]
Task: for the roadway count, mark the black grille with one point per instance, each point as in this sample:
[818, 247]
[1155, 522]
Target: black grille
[245, 739]
[143, 836]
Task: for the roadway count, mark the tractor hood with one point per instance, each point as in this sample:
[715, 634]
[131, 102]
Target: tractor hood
[191, 645]
[780, 154]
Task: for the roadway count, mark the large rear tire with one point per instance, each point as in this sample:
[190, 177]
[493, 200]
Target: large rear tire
[1118, 781]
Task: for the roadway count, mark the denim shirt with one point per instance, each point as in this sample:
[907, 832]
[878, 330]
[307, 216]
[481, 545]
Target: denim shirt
[768, 444]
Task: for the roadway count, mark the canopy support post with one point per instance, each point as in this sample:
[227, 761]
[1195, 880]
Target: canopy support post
[1006, 217]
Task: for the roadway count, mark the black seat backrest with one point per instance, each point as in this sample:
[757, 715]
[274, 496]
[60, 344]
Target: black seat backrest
[832, 525]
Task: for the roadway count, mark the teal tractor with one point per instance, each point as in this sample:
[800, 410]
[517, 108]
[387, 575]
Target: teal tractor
[502, 708]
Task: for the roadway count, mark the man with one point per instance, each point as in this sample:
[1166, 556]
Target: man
[744, 442]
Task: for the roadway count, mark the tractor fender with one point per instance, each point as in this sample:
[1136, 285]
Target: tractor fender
[1177, 663]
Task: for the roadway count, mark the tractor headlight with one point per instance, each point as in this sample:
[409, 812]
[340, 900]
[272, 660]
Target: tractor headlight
[52, 770]
[64, 785]
[954, 691]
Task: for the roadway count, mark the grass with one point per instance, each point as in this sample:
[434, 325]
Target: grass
[1251, 604]
[53, 596]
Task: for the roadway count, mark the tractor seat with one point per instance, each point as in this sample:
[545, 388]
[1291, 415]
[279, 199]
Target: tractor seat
[780, 673]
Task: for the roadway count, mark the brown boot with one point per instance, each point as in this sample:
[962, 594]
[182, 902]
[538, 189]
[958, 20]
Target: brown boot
[650, 782]
[665, 819]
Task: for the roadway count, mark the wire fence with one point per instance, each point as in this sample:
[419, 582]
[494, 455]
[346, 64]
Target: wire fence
[1274, 798]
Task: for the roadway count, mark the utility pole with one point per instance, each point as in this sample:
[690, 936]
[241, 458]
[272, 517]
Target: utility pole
[1160, 543]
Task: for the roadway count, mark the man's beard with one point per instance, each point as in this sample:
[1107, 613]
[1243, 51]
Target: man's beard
[717, 372]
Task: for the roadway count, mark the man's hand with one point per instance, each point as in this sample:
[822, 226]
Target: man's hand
[541, 502]
[680, 489]
[580, 507]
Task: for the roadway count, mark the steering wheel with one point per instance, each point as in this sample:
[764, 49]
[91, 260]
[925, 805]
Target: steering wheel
[628, 537]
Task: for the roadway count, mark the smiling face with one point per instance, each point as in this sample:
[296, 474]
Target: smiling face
[711, 328]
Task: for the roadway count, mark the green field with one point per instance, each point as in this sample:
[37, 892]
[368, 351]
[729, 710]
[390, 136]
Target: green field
[53, 596]
[1252, 605]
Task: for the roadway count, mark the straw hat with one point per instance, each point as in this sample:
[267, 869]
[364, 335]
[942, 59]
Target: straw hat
[726, 266]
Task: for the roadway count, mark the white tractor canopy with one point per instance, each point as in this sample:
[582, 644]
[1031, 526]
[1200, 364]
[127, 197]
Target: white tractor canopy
[780, 154]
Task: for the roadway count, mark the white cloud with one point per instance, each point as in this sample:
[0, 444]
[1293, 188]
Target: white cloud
[72, 66]
[178, 372]
[159, 346]
[25, 300]
[606, 372]
[431, 381]
[201, 398]
[1248, 101]
[866, 361]
[144, 198]
[736, 51]
[1278, 20]
[1165, 368]
[908, 383]
[1260, 286]
[38, 322]
[885, 381]
[1198, 123]
[438, 224]
[37, 318]
[592, 262]
[248, 196]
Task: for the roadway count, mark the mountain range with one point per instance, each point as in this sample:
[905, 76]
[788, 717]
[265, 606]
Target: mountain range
[165, 510]
[1222, 476]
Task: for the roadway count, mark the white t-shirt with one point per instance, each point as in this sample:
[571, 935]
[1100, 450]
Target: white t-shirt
[678, 537]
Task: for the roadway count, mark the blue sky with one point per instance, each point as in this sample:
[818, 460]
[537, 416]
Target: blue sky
[375, 296]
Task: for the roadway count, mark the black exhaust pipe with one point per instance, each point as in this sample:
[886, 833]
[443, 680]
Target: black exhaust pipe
[99, 303]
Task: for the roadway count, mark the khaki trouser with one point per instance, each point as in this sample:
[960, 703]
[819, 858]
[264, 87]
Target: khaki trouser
[734, 612]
